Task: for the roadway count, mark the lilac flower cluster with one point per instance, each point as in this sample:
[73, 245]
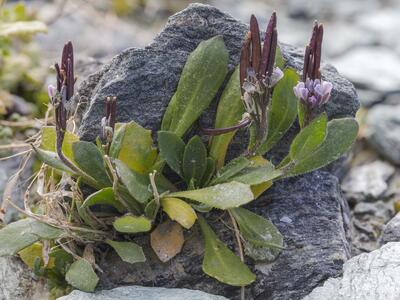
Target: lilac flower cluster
[313, 93]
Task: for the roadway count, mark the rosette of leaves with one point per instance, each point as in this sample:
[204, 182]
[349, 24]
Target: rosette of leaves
[133, 181]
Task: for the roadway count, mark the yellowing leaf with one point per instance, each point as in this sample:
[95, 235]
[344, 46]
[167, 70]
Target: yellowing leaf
[133, 145]
[48, 142]
[179, 211]
[29, 254]
[167, 240]
[260, 188]
[132, 224]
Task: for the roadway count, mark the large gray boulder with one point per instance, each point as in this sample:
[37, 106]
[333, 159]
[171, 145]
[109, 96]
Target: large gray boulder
[309, 210]
[374, 275]
[142, 293]
[144, 80]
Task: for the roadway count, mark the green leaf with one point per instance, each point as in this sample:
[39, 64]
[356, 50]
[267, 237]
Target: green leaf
[171, 150]
[232, 168]
[202, 75]
[90, 160]
[263, 241]
[209, 172]
[136, 183]
[48, 141]
[23, 233]
[301, 111]
[341, 134]
[179, 211]
[309, 138]
[223, 196]
[151, 209]
[82, 276]
[229, 113]
[128, 251]
[194, 160]
[256, 175]
[132, 224]
[133, 145]
[104, 196]
[51, 159]
[21, 28]
[221, 263]
[283, 110]
[279, 60]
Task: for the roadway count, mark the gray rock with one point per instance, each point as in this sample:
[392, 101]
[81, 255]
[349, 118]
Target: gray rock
[8, 168]
[17, 281]
[367, 182]
[383, 131]
[374, 275]
[378, 71]
[309, 211]
[144, 80]
[142, 293]
[391, 232]
[368, 222]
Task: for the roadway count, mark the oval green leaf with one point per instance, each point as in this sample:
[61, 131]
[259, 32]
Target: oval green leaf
[90, 160]
[136, 183]
[221, 263]
[263, 241]
[132, 224]
[283, 110]
[202, 75]
[194, 160]
[82, 276]
[309, 138]
[222, 196]
[104, 196]
[229, 113]
[341, 133]
[129, 252]
[171, 150]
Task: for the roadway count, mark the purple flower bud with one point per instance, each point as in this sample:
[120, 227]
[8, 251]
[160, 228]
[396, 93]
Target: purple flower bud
[277, 75]
[300, 91]
[313, 92]
[51, 91]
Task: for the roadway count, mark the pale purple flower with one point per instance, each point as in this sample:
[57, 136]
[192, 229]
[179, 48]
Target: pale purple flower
[277, 75]
[300, 91]
[51, 90]
[313, 92]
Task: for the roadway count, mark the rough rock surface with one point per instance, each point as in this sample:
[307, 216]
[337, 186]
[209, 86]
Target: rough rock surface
[367, 182]
[311, 214]
[145, 79]
[384, 131]
[17, 281]
[309, 210]
[391, 232]
[368, 220]
[142, 293]
[374, 275]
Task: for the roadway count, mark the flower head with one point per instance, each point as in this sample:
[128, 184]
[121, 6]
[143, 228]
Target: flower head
[313, 93]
